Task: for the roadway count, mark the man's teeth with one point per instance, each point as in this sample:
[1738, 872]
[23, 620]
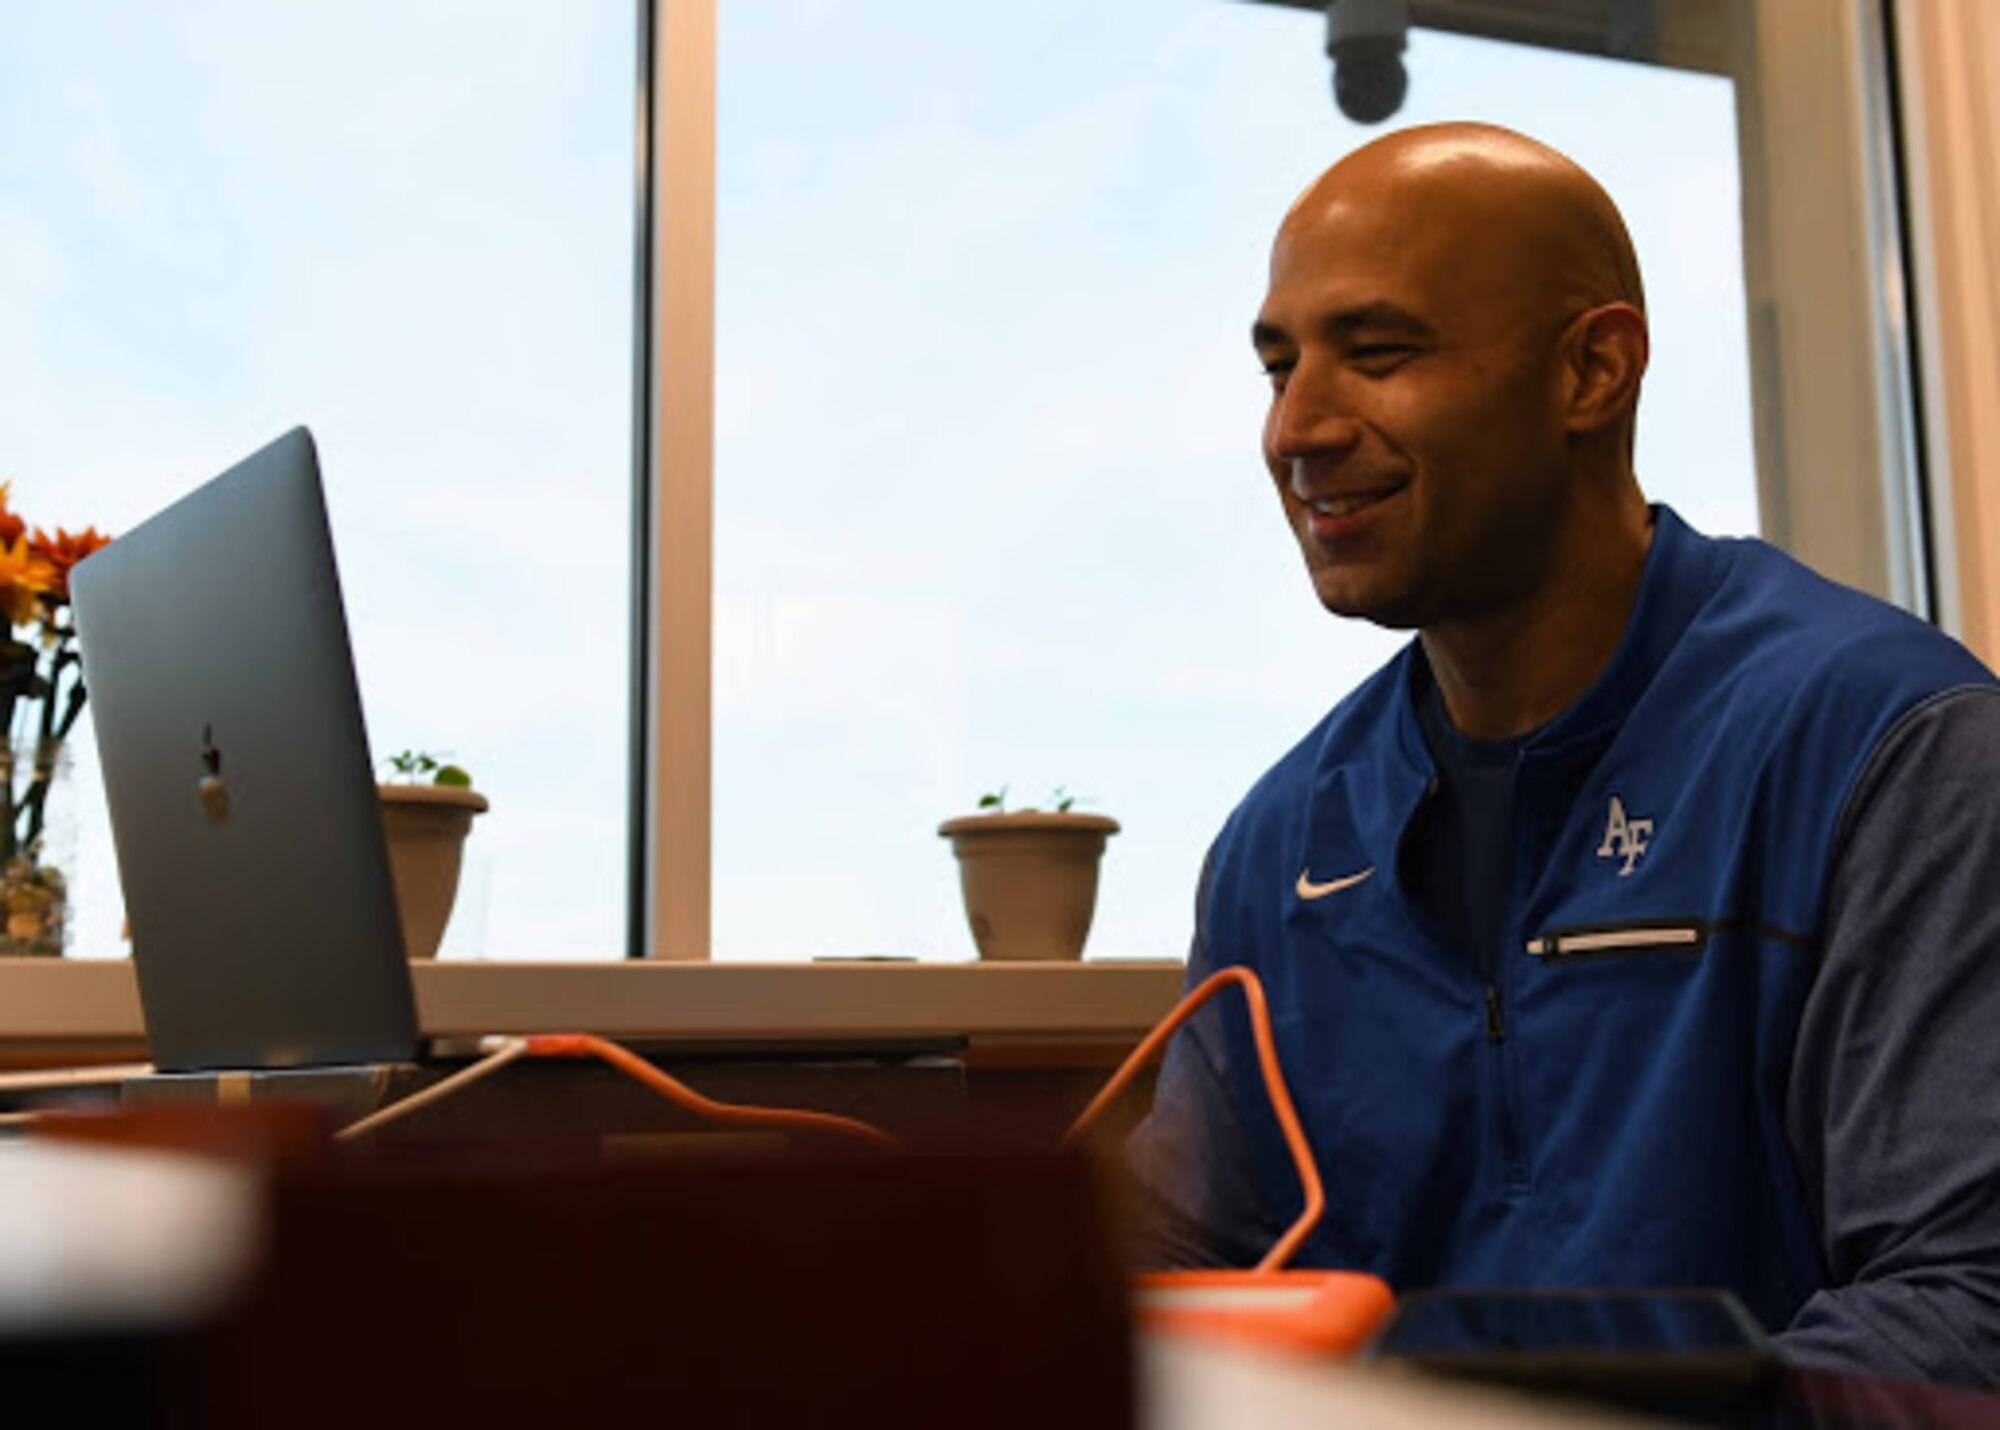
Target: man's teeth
[1344, 506]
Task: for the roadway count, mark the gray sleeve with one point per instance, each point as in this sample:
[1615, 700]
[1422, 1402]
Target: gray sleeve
[1894, 1105]
[1197, 1200]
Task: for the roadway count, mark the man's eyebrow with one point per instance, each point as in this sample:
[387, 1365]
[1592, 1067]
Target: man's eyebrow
[1267, 335]
[1378, 316]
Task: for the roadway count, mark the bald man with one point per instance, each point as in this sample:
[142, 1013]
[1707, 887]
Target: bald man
[1631, 926]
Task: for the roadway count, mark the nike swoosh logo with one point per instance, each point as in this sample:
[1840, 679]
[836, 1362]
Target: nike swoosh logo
[1309, 890]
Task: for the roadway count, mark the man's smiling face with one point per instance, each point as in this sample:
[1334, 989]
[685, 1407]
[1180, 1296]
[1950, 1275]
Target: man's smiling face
[1416, 432]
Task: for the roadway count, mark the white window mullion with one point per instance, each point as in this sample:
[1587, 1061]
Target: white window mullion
[1826, 315]
[1949, 52]
[683, 378]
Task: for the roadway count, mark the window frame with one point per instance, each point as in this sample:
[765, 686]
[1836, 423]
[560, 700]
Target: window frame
[1945, 54]
[671, 778]
[1840, 466]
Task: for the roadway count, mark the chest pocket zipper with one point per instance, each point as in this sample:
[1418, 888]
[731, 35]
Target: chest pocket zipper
[1683, 937]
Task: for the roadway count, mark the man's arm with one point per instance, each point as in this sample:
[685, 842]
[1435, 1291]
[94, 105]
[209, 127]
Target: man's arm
[1198, 1204]
[1894, 1104]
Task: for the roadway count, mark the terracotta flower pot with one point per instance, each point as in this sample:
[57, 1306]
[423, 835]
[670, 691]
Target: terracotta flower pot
[426, 827]
[1029, 880]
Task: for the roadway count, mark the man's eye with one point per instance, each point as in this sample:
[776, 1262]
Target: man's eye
[1278, 370]
[1380, 357]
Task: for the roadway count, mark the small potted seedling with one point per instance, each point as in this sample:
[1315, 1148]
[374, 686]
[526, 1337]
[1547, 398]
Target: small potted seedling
[427, 809]
[1029, 876]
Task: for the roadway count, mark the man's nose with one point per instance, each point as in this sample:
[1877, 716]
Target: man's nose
[1310, 419]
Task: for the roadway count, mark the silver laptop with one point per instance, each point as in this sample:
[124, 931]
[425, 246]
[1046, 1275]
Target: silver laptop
[243, 805]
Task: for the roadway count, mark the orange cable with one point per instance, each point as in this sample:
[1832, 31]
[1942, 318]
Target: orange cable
[1274, 1083]
[587, 1045]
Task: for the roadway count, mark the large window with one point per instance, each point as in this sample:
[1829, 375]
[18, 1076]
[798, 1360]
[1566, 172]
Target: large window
[409, 226]
[982, 503]
[988, 501]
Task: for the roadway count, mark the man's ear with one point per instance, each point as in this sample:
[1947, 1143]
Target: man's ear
[1605, 359]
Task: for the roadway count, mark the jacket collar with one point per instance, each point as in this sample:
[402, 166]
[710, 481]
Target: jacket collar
[1683, 568]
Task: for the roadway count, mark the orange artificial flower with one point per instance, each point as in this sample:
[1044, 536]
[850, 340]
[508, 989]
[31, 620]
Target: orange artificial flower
[12, 527]
[25, 576]
[62, 551]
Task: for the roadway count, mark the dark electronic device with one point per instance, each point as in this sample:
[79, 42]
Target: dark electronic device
[1365, 40]
[1682, 1351]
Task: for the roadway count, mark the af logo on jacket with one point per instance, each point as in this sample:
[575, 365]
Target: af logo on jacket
[1625, 837]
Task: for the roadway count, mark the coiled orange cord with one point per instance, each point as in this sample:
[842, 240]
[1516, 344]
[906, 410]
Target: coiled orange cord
[502, 1050]
[1287, 1245]
[1321, 1312]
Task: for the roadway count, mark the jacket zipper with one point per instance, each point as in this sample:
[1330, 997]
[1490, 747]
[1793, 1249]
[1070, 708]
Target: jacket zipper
[1500, 1057]
[1499, 1082]
[1505, 1112]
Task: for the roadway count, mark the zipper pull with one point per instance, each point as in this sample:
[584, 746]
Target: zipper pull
[1496, 1027]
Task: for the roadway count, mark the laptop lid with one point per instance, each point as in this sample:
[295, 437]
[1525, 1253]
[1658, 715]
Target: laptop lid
[236, 766]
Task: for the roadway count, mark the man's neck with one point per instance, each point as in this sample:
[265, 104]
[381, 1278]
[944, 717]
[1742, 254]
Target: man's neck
[1512, 671]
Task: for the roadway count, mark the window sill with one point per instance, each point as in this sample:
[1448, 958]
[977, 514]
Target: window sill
[86, 1002]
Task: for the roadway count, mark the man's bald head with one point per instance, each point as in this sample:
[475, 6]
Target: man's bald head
[1455, 336]
[1496, 198]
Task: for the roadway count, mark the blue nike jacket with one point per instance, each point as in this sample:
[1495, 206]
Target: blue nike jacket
[1608, 1106]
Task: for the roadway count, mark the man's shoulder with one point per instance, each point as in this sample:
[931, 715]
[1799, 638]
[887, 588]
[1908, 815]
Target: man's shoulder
[1772, 621]
[1785, 683]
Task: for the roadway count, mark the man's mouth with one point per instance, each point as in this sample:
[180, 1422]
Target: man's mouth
[1353, 502]
[1333, 516]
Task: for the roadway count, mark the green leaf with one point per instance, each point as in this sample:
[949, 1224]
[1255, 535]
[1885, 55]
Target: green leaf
[452, 776]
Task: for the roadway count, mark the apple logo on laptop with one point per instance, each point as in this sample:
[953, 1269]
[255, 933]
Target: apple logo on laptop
[213, 793]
